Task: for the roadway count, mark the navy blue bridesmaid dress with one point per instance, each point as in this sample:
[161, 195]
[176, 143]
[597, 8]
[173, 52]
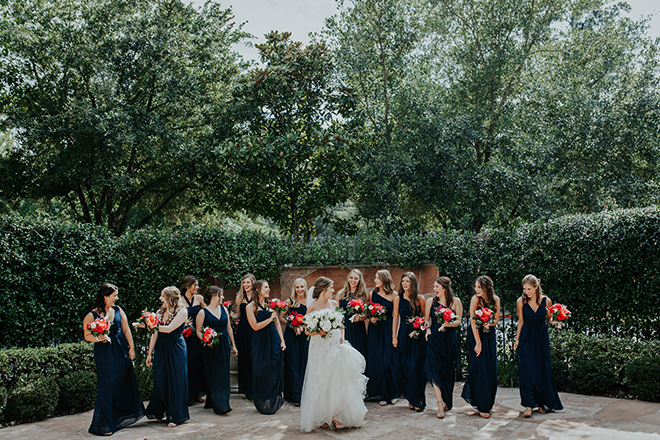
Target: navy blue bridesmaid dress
[268, 366]
[381, 356]
[410, 357]
[216, 364]
[481, 384]
[169, 398]
[355, 332]
[537, 383]
[244, 346]
[440, 363]
[118, 402]
[195, 362]
[295, 359]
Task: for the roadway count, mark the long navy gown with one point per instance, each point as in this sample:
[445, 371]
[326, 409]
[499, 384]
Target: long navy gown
[169, 398]
[216, 364]
[268, 367]
[481, 384]
[195, 362]
[244, 346]
[440, 363]
[295, 359]
[410, 357]
[381, 360]
[118, 402]
[537, 383]
[355, 332]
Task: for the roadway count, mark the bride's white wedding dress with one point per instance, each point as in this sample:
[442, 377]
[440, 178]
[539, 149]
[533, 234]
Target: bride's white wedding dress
[334, 385]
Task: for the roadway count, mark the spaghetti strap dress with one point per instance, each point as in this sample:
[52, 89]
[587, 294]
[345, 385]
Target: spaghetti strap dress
[295, 359]
[440, 363]
[381, 356]
[410, 354]
[118, 402]
[268, 366]
[537, 383]
[244, 346]
[216, 364]
[195, 362]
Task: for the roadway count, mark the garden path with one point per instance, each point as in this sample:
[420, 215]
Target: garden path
[584, 417]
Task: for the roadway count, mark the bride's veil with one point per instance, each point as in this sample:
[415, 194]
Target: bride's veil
[310, 296]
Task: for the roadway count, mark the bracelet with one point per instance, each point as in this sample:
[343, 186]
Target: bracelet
[477, 344]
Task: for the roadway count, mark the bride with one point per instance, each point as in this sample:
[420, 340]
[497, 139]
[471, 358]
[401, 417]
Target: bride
[334, 386]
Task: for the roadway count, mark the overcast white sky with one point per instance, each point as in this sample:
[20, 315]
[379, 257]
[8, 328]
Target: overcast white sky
[304, 16]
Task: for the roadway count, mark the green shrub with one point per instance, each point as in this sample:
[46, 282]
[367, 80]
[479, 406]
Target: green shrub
[591, 377]
[34, 399]
[591, 263]
[77, 392]
[643, 378]
[560, 373]
[508, 373]
[3, 401]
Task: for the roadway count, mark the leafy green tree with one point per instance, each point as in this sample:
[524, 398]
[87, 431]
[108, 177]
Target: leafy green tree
[112, 103]
[291, 154]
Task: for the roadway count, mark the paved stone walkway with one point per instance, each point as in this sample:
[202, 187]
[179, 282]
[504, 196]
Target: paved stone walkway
[583, 417]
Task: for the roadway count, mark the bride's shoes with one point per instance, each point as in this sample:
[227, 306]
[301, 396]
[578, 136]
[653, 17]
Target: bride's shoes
[337, 425]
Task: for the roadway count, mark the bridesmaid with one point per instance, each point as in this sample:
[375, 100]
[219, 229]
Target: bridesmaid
[170, 361]
[410, 351]
[118, 402]
[381, 358]
[195, 302]
[297, 344]
[537, 383]
[244, 336]
[356, 327]
[267, 347]
[442, 344]
[481, 384]
[216, 358]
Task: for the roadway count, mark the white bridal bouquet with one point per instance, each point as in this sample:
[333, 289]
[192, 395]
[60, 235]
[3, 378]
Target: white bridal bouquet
[324, 320]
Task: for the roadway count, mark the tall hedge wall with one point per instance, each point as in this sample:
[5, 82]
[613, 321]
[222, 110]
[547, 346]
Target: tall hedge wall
[603, 266]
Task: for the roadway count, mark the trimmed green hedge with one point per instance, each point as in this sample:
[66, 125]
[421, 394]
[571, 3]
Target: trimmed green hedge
[604, 267]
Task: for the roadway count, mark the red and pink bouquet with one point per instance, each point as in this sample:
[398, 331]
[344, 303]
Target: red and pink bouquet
[559, 312]
[294, 320]
[355, 307]
[444, 315]
[482, 316]
[149, 320]
[377, 311]
[277, 305]
[100, 326]
[229, 305]
[419, 325]
[188, 329]
[210, 337]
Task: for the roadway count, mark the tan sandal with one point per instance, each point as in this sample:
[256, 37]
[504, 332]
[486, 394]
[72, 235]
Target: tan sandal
[542, 410]
[528, 412]
[441, 411]
[484, 415]
[337, 425]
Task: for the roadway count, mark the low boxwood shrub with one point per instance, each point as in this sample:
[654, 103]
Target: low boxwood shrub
[643, 378]
[77, 392]
[560, 373]
[34, 399]
[3, 402]
[592, 377]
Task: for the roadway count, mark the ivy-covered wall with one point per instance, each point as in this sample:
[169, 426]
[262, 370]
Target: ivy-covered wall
[604, 267]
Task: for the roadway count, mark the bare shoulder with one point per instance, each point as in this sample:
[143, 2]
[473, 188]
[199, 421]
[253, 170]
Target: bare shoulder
[333, 303]
[457, 302]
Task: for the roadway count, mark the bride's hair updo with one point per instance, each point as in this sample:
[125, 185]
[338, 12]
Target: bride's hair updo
[320, 285]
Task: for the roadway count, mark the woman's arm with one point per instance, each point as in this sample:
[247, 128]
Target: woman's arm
[473, 326]
[395, 322]
[89, 336]
[126, 330]
[498, 313]
[199, 323]
[427, 317]
[178, 320]
[458, 308]
[230, 332]
[279, 331]
[252, 319]
[519, 308]
[152, 344]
